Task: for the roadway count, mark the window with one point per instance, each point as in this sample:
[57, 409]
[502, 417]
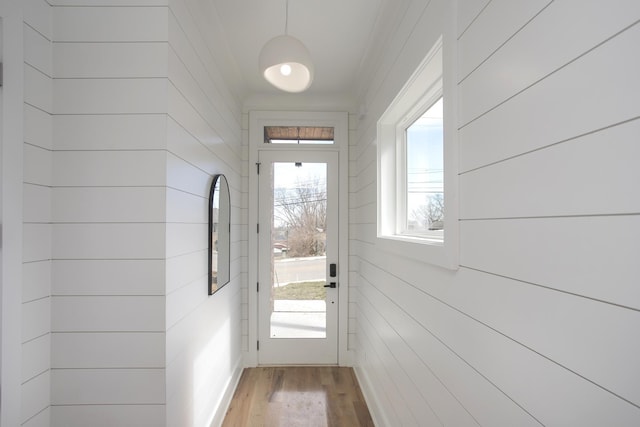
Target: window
[422, 180]
[417, 167]
[313, 135]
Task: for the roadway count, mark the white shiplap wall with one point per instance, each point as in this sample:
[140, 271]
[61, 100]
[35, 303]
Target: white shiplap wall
[36, 190]
[203, 350]
[539, 325]
[142, 120]
[108, 210]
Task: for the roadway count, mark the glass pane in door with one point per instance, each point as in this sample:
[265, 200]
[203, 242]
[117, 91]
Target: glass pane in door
[298, 259]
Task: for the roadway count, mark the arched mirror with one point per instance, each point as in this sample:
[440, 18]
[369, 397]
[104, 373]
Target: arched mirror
[219, 233]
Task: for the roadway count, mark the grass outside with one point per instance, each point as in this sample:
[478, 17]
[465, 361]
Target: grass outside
[301, 291]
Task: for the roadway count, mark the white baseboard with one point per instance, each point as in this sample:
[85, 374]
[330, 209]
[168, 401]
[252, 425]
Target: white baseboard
[225, 401]
[376, 410]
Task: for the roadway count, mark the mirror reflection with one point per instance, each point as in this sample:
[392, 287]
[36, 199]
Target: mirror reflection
[219, 233]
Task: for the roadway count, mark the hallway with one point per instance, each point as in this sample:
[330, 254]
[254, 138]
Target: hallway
[524, 310]
[298, 396]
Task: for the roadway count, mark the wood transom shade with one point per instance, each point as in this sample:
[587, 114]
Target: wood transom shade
[274, 134]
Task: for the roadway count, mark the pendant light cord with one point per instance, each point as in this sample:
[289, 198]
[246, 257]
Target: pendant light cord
[286, 19]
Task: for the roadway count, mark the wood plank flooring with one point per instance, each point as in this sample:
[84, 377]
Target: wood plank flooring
[323, 396]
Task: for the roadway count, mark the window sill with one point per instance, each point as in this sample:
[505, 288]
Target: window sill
[412, 238]
[437, 252]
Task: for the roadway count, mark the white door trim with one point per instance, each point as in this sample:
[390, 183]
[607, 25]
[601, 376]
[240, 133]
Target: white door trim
[339, 121]
[297, 351]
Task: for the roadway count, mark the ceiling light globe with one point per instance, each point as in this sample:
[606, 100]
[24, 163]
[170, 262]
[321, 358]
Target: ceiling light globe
[286, 50]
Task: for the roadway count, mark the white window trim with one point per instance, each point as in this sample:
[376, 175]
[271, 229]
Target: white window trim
[340, 122]
[433, 77]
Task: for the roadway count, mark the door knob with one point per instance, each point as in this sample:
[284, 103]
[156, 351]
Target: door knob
[331, 285]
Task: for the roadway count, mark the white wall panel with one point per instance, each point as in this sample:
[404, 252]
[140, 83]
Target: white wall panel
[37, 242]
[108, 204]
[91, 168]
[393, 49]
[392, 390]
[195, 84]
[186, 238]
[109, 213]
[35, 396]
[194, 39]
[107, 386]
[107, 350]
[467, 12]
[186, 208]
[186, 146]
[37, 165]
[36, 280]
[37, 127]
[183, 112]
[108, 241]
[108, 415]
[110, 24]
[41, 419]
[195, 387]
[110, 132]
[181, 175]
[530, 120]
[484, 400]
[593, 175]
[428, 387]
[110, 96]
[37, 50]
[499, 21]
[183, 301]
[541, 48]
[375, 378]
[569, 254]
[587, 335]
[37, 14]
[108, 277]
[107, 314]
[185, 269]
[36, 203]
[37, 88]
[539, 328]
[36, 357]
[567, 329]
[567, 398]
[202, 139]
[109, 60]
[36, 213]
[510, 367]
[36, 319]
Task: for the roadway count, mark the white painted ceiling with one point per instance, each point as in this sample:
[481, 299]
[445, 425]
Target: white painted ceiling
[339, 34]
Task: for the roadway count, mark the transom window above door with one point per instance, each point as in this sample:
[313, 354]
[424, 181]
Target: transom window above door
[298, 135]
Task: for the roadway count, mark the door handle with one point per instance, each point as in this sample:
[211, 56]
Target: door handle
[331, 285]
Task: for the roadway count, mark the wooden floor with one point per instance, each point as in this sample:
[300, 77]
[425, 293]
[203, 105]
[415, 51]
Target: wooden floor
[298, 396]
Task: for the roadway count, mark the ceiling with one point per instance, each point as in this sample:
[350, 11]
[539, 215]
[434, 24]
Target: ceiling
[338, 33]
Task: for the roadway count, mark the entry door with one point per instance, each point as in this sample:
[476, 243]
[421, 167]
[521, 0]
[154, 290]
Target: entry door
[298, 256]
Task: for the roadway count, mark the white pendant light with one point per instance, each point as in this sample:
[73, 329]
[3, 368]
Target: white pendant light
[285, 62]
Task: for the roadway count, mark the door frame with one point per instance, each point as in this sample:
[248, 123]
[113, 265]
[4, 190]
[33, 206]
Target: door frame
[302, 350]
[339, 121]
